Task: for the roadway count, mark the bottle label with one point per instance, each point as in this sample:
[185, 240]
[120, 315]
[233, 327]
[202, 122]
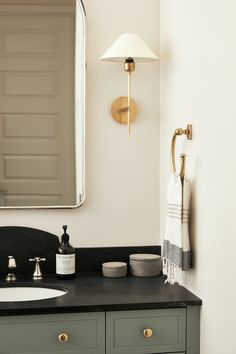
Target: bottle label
[65, 263]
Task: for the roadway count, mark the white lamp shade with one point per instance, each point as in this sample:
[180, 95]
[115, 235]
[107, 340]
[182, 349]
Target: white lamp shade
[129, 45]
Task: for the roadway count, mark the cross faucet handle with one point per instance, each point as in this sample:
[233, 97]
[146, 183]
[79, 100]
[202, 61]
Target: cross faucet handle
[37, 271]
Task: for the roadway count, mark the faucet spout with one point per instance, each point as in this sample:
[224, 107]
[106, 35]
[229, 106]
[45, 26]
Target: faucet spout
[11, 265]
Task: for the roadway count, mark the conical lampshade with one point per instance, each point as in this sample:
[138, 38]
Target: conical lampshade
[129, 45]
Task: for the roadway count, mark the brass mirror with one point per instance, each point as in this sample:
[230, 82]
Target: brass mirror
[42, 103]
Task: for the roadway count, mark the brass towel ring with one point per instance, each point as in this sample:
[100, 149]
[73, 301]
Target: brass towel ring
[179, 131]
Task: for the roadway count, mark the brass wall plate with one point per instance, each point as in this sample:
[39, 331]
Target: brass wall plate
[119, 110]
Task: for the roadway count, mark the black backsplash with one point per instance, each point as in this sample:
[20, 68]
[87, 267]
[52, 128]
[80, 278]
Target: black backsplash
[91, 259]
[24, 243]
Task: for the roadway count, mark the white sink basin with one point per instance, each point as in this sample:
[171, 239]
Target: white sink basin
[27, 293]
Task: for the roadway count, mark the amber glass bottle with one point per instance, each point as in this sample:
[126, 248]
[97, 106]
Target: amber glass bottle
[65, 258]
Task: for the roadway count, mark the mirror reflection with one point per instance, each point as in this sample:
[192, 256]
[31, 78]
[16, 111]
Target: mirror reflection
[41, 128]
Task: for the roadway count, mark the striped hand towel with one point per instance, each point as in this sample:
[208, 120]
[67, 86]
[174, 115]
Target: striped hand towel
[176, 248]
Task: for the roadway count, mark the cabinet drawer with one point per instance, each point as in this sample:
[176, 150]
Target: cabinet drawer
[39, 333]
[125, 331]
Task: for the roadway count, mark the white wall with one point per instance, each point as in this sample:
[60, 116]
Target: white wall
[122, 205]
[198, 76]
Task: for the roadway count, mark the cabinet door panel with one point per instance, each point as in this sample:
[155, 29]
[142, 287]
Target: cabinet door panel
[39, 333]
[125, 331]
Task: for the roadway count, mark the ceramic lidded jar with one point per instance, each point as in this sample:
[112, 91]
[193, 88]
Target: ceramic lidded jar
[114, 269]
[145, 264]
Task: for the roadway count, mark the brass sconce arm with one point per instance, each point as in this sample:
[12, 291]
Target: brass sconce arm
[128, 49]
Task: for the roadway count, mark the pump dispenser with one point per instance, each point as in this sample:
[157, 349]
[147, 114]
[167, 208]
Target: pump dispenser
[65, 257]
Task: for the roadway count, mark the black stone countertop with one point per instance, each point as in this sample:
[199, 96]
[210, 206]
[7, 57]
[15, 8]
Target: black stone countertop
[92, 292]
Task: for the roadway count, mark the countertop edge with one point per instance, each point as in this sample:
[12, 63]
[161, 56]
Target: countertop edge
[94, 293]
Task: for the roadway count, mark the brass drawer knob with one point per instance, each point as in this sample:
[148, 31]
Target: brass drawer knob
[147, 332]
[63, 337]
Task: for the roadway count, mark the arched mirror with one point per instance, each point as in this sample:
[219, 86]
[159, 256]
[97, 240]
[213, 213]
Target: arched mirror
[42, 103]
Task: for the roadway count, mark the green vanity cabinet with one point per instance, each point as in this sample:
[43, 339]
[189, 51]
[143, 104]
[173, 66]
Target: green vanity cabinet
[159, 331]
[82, 333]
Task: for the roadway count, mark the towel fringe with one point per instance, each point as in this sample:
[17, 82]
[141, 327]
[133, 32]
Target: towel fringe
[172, 271]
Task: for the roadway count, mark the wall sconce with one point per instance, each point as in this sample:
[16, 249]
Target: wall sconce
[128, 48]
